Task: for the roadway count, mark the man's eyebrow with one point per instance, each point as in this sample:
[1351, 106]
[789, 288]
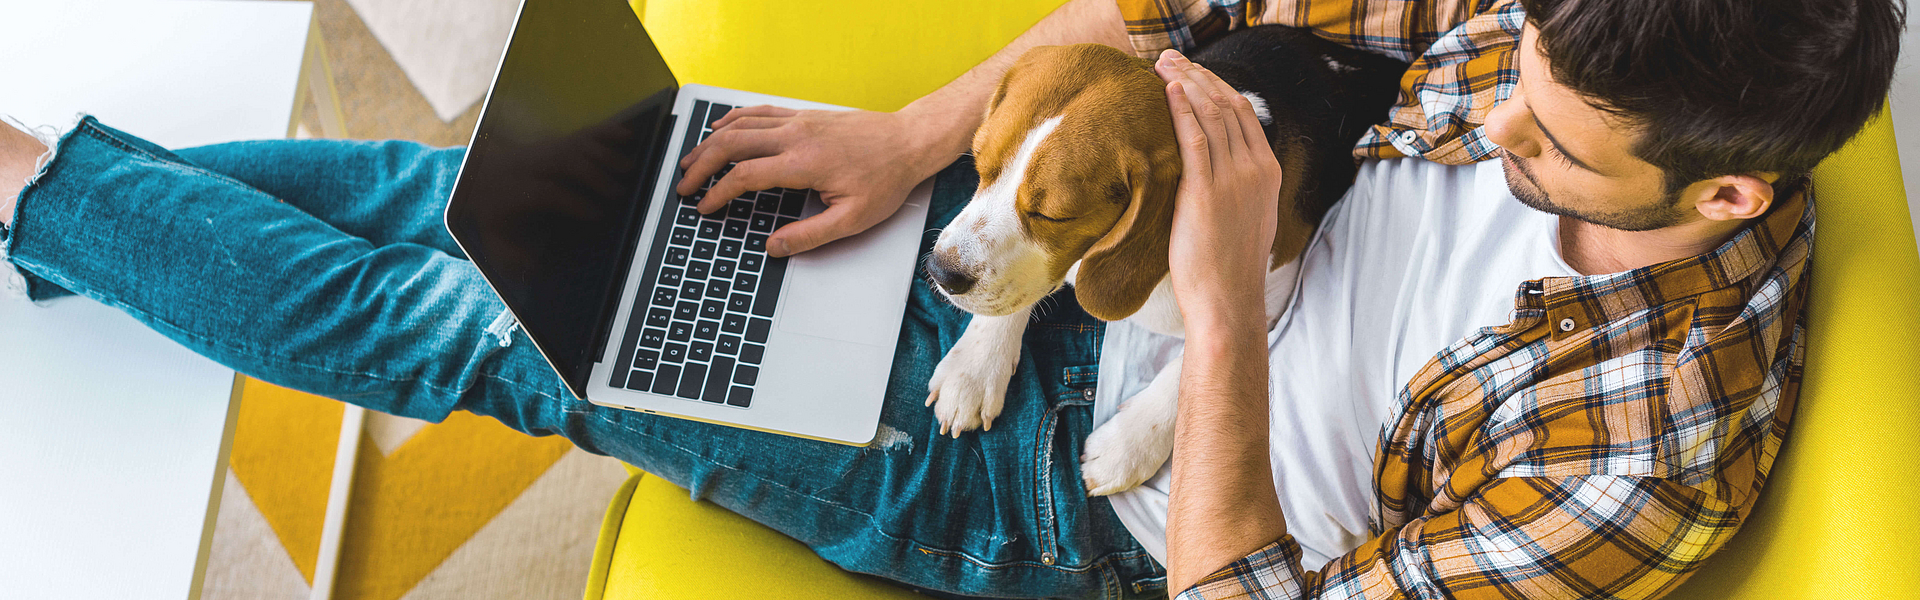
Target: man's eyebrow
[1562, 148]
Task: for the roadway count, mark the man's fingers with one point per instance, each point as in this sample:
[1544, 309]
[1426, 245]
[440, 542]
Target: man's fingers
[753, 111]
[752, 175]
[730, 146]
[733, 121]
[1194, 154]
[1209, 115]
[837, 221]
[1250, 128]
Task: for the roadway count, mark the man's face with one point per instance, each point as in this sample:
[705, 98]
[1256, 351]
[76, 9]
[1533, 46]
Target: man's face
[1565, 157]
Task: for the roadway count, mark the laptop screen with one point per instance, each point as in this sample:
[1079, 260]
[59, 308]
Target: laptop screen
[560, 169]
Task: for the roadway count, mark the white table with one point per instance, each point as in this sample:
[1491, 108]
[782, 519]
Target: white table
[113, 440]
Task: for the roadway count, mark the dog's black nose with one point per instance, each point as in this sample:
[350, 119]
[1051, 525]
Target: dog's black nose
[953, 281]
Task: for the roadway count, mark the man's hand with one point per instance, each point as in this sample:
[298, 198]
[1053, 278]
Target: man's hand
[1222, 505]
[862, 163]
[1228, 203]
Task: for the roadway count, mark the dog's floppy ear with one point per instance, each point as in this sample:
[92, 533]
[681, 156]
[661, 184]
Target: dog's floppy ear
[1122, 268]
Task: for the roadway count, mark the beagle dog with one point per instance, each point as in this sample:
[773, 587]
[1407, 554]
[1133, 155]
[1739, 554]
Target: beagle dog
[1078, 166]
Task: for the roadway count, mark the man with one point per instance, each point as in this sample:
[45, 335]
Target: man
[1598, 434]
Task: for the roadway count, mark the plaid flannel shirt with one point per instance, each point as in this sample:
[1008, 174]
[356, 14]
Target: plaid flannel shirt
[1601, 444]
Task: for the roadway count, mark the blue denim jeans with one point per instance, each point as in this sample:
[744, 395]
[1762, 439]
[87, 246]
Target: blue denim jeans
[323, 266]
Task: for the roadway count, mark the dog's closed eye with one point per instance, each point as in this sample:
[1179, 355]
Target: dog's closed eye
[1038, 215]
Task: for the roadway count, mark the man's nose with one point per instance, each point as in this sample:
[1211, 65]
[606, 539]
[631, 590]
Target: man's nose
[954, 281]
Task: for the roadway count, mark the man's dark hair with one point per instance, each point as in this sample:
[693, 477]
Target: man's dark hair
[1719, 87]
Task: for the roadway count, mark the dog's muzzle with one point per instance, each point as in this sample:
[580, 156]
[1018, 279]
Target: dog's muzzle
[952, 281]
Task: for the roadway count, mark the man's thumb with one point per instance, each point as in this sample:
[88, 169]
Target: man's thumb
[811, 232]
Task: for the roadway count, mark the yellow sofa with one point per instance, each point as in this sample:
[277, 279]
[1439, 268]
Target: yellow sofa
[1834, 523]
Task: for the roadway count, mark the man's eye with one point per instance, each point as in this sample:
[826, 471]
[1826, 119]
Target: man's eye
[1037, 215]
[1562, 158]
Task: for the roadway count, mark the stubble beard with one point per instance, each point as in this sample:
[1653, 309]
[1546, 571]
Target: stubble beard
[1524, 187]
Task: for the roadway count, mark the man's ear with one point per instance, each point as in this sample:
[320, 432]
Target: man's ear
[1121, 269]
[1733, 197]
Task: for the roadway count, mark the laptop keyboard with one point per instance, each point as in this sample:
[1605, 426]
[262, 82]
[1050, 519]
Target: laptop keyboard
[700, 323]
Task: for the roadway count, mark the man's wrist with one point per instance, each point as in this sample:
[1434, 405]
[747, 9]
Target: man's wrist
[936, 133]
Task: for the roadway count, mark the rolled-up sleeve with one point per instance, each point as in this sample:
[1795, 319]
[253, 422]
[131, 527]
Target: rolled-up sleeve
[1156, 25]
[1571, 537]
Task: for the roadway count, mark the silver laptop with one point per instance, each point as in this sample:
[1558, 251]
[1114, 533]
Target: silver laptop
[565, 202]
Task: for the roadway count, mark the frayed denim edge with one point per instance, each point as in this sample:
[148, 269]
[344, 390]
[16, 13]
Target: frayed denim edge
[15, 286]
[503, 327]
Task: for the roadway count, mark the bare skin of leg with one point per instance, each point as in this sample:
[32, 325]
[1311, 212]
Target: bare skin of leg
[18, 153]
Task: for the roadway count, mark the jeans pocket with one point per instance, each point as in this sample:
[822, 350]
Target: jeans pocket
[1076, 386]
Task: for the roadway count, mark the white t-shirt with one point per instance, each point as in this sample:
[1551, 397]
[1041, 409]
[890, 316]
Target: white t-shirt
[1415, 257]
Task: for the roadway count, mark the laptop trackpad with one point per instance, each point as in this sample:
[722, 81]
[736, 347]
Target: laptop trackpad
[855, 289]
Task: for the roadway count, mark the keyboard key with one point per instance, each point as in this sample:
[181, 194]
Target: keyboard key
[769, 287]
[659, 317]
[791, 202]
[653, 338]
[740, 396]
[700, 351]
[710, 229]
[733, 323]
[722, 269]
[697, 270]
[712, 309]
[729, 248]
[752, 353]
[744, 282]
[782, 222]
[767, 202]
[691, 289]
[736, 229]
[718, 288]
[757, 243]
[692, 379]
[728, 345]
[664, 381]
[740, 209]
[740, 303]
[703, 250]
[686, 311]
[689, 216]
[751, 262]
[677, 256]
[761, 223]
[646, 359]
[640, 381]
[673, 354]
[715, 112]
[757, 330]
[680, 332]
[670, 276]
[682, 236]
[706, 330]
[717, 380]
[746, 375]
[663, 296]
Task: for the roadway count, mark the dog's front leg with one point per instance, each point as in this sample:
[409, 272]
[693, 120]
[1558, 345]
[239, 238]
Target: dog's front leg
[970, 385]
[1128, 449]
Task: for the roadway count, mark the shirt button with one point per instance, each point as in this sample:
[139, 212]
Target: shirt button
[1046, 558]
[1566, 324]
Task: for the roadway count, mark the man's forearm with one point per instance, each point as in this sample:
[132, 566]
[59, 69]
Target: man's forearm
[1223, 505]
[954, 111]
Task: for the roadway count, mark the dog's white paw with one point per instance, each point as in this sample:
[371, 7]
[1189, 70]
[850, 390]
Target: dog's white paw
[1128, 449]
[1124, 453]
[969, 386]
